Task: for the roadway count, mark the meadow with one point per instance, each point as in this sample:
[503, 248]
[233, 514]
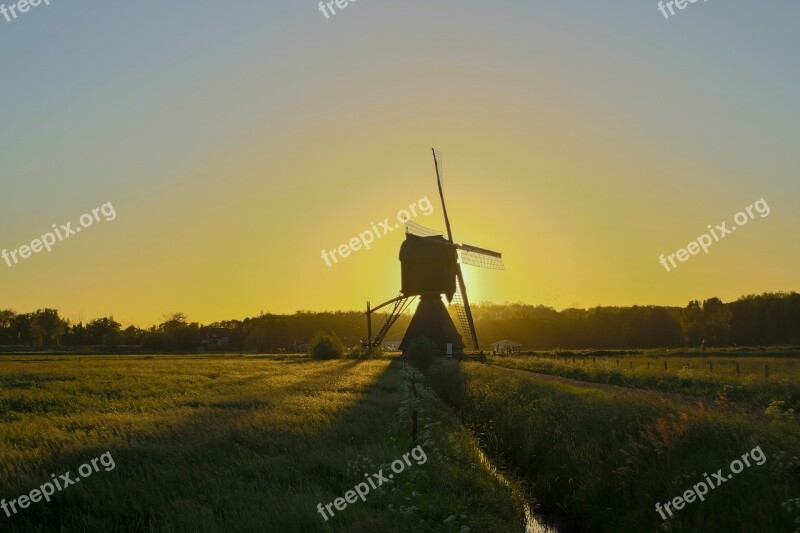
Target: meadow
[207, 444]
[604, 458]
[762, 380]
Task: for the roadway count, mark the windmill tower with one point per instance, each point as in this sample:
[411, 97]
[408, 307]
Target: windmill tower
[431, 268]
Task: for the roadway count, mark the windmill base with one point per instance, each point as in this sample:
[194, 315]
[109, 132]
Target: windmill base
[432, 320]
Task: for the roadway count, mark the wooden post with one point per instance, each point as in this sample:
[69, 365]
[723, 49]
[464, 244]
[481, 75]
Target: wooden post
[737, 370]
[711, 367]
[648, 365]
[630, 364]
[665, 365]
[414, 412]
[369, 327]
[766, 370]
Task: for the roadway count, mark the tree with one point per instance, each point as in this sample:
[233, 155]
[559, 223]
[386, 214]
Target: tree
[6, 322]
[25, 331]
[99, 328]
[185, 335]
[717, 322]
[132, 336]
[693, 326]
[51, 324]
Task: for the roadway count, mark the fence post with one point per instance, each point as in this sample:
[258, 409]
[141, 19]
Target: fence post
[617, 362]
[630, 364]
[737, 369]
[665, 365]
[414, 412]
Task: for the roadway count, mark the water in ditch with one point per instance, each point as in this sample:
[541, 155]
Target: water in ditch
[534, 523]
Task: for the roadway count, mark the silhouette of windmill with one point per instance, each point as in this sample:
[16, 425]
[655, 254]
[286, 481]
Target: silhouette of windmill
[430, 268]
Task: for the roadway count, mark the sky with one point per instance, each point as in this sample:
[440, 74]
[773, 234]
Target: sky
[237, 140]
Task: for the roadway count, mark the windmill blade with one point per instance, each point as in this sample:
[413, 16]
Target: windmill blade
[461, 304]
[437, 161]
[481, 257]
[421, 231]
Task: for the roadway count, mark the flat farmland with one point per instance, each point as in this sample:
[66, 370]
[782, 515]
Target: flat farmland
[765, 381]
[236, 444]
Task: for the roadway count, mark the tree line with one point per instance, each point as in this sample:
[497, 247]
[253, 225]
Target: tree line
[766, 319]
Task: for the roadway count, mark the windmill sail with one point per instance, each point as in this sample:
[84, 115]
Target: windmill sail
[420, 230]
[461, 305]
[437, 160]
[481, 257]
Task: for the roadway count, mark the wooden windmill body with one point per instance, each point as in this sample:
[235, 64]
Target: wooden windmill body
[431, 269]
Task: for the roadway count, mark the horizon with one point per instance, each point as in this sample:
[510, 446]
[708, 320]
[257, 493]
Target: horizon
[409, 312]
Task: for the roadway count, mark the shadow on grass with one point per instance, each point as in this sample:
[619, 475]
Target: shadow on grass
[237, 462]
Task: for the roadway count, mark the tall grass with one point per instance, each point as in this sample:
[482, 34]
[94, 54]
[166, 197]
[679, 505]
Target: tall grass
[235, 444]
[605, 461]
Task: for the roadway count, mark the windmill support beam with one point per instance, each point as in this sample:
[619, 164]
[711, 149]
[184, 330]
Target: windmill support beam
[398, 301]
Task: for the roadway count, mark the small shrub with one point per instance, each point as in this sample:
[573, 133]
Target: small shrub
[376, 352]
[324, 346]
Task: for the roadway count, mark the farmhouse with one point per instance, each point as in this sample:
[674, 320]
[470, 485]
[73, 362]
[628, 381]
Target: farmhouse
[215, 337]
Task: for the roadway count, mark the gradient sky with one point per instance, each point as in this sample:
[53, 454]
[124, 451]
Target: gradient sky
[582, 139]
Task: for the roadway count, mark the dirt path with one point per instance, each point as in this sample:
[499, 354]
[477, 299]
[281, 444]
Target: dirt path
[620, 391]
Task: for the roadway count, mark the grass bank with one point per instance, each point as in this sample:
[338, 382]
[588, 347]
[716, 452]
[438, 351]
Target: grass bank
[604, 460]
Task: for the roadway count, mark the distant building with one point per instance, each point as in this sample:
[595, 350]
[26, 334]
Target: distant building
[506, 346]
[215, 337]
[302, 347]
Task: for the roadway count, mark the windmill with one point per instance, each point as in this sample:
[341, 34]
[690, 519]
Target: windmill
[431, 268]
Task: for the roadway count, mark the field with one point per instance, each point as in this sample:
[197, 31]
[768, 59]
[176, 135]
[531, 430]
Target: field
[604, 456]
[755, 379]
[255, 443]
[236, 444]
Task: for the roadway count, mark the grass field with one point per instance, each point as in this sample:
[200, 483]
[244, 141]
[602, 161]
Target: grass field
[255, 443]
[236, 444]
[604, 457]
[696, 373]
